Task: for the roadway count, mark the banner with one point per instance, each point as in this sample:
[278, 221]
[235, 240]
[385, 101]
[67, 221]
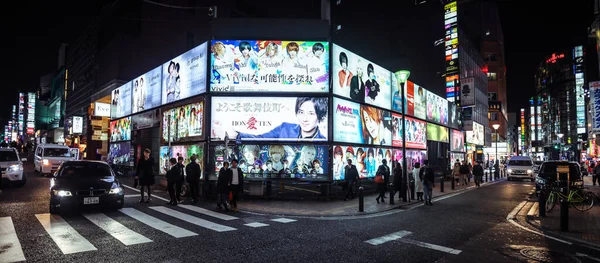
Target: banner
[185, 75]
[121, 101]
[477, 135]
[359, 79]
[454, 119]
[467, 94]
[366, 159]
[595, 101]
[269, 66]
[185, 123]
[457, 141]
[437, 109]
[269, 118]
[356, 123]
[120, 154]
[185, 151]
[416, 132]
[147, 90]
[437, 133]
[146, 120]
[120, 130]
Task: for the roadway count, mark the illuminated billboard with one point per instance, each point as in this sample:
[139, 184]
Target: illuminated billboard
[185, 75]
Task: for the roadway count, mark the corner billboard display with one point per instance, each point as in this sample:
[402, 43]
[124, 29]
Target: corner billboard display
[185, 75]
[147, 91]
[269, 118]
[359, 79]
[269, 66]
[357, 123]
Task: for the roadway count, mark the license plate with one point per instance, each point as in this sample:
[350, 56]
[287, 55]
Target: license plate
[91, 200]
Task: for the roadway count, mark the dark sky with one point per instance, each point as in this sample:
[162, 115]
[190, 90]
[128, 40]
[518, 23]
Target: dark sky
[34, 31]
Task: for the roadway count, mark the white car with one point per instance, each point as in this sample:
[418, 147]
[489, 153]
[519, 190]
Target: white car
[12, 166]
[520, 167]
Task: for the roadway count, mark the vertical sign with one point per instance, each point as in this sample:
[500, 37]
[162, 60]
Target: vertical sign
[595, 100]
[21, 112]
[30, 113]
[451, 52]
[579, 92]
[522, 130]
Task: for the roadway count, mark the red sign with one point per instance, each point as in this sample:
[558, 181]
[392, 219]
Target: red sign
[410, 98]
[554, 57]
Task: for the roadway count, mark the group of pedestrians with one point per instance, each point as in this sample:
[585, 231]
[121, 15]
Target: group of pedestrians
[230, 184]
[462, 173]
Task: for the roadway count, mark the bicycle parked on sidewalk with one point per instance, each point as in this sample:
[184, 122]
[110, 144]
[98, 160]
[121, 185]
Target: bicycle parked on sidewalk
[579, 198]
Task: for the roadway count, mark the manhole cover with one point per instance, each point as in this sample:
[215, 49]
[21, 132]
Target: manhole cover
[545, 255]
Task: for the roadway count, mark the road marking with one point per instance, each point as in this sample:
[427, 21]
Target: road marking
[256, 224]
[283, 220]
[129, 196]
[10, 247]
[431, 246]
[66, 237]
[534, 209]
[117, 230]
[154, 196]
[208, 212]
[516, 210]
[387, 238]
[511, 219]
[157, 224]
[192, 219]
[586, 256]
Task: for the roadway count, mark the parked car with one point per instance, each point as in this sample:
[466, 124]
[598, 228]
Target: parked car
[85, 184]
[12, 167]
[520, 167]
[536, 166]
[547, 174]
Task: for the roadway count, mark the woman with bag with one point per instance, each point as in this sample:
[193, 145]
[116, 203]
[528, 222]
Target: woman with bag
[382, 178]
[456, 172]
[418, 178]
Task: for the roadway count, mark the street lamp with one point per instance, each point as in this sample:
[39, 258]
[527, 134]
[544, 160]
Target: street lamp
[560, 136]
[496, 126]
[402, 77]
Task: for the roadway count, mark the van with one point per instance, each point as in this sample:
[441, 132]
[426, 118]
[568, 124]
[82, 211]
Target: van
[48, 157]
[520, 167]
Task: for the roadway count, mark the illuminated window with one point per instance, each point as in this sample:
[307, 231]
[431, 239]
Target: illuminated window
[492, 76]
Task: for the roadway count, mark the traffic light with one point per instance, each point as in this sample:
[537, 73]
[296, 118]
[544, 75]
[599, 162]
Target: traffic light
[556, 147]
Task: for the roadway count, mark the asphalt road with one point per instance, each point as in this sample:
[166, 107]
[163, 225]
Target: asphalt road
[468, 227]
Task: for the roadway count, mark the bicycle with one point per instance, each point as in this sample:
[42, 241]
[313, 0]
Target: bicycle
[579, 198]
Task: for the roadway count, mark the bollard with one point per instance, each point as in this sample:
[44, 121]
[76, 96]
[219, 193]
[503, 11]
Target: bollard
[452, 182]
[564, 212]
[442, 184]
[391, 194]
[542, 202]
[361, 199]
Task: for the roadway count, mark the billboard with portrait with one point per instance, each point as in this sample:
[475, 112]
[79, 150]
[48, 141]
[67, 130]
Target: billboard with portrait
[185, 75]
[453, 116]
[437, 109]
[476, 135]
[269, 118]
[269, 66]
[415, 135]
[147, 90]
[366, 159]
[437, 133]
[120, 154]
[121, 101]
[185, 151]
[184, 123]
[359, 79]
[412, 157]
[415, 99]
[457, 141]
[120, 130]
[356, 123]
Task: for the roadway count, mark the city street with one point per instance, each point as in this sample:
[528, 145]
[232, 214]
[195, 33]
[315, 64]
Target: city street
[469, 226]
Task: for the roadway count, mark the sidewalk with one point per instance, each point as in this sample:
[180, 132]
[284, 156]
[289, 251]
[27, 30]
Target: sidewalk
[584, 227]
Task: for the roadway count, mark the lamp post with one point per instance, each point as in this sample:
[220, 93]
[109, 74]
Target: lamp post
[496, 126]
[402, 77]
[560, 136]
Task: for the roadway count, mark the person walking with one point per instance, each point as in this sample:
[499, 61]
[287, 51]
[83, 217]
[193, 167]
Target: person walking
[418, 174]
[464, 172]
[428, 182]
[173, 176]
[478, 173]
[456, 172]
[223, 186]
[384, 172]
[470, 173]
[497, 170]
[193, 172]
[179, 183]
[145, 175]
[596, 174]
[351, 178]
[398, 181]
[237, 183]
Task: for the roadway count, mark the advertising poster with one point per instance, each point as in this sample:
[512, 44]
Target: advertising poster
[453, 116]
[355, 123]
[146, 120]
[477, 135]
[437, 133]
[458, 141]
[120, 130]
[416, 134]
[366, 160]
[147, 90]
[184, 122]
[467, 94]
[269, 66]
[120, 154]
[121, 101]
[412, 157]
[304, 162]
[185, 75]
[269, 118]
[359, 79]
[221, 154]
[595, 103]
[185, 151]
[437, 109]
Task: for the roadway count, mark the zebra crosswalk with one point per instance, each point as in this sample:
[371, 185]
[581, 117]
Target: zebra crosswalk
[174, 222]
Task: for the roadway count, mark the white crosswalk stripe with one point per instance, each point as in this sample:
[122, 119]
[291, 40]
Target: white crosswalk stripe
[192, 219]
[66, 237]
[208, 212]
[10, 246]
[116, 229]
[283, 220]
[157, 224]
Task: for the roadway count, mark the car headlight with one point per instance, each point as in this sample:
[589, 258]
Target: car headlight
[15, 167]
[45, 162]
[529, 171]
[62, 193]
[509, 170]
[115, 190]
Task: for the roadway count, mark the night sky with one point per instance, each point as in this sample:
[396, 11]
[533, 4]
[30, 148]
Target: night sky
[34, 31]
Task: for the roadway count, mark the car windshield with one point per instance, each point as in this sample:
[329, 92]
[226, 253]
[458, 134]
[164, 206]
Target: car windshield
[8, 156]
[85, 169]
[56, 152]
[519, 162]
[549, 170]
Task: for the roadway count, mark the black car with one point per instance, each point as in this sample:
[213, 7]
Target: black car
[548, 172]
[85, 183]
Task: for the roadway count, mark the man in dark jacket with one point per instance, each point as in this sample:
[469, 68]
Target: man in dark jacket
[478, 173]
[398, 183]
[464, 172]
[145, 175]
[351, 177]
[384, 171]
[428, 182]
[193, 177]
[223, 184]
[237, 183]
[173, 176]
[179, 183]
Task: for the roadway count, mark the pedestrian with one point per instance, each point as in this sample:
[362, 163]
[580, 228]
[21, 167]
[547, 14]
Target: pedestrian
[223, 185]
[596, 174]
[464, 171]
[384, 172]
[428, 182]
[470, 173]
[351, 178]
[237, 183]
[497, 170]
[193, 173]
[591, 168]
[478, 173]
[179, 183]
[418, 178]
[173, 176]
[398, 181]
[456, 172]
[145, 175]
